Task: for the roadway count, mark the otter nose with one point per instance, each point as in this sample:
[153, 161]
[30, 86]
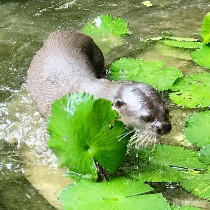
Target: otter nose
[164, 128]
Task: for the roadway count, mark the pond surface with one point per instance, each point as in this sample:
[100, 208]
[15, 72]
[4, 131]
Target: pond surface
[24, 25]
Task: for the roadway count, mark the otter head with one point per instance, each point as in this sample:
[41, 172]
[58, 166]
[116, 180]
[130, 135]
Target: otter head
[141, 108]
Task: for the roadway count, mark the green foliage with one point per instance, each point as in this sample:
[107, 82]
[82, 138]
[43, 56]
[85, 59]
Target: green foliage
[107, 24]
[181, 39]
[150, 72]
[83, 130]
[192, 91]
[121, 193]
[183, 44]
[164, 163]
[206, 29]
[107, 31]
[197, 128]
[201, 56]
[205, 155]
[175, 207]
[199, 186]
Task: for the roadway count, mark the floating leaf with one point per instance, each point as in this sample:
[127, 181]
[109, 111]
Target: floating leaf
[182, 39]
[164, 163]
[206, 28]
[83, 130]
[153, 172]
[119, 194]
[197, 128]
[176, 207]
[205, 155]
[198, 184]
[173, 156]
[150, 72]
[192, 91]
[201, 56]
[183, 44]
[107, 31]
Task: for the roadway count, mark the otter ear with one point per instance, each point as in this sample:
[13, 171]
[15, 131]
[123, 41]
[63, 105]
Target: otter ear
[118, 103]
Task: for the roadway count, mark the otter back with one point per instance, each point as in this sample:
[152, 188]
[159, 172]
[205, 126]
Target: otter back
[64, 58]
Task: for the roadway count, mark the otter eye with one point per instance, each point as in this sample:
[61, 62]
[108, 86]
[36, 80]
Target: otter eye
[119, 103]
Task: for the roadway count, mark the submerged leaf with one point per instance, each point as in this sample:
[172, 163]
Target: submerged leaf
[197, 129]
[83, 130]
[192, 91]
[150, 72]
[121, 193]
[183, 44]
[206, 28]
[201, 56]
[199, 186]
[174, 52]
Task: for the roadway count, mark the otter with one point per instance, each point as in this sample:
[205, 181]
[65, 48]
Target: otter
[72, 62]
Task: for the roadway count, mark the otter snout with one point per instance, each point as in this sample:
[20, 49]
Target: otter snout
[164, 128]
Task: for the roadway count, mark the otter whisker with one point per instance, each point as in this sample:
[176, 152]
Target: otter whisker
[122, 136]
[142, 139]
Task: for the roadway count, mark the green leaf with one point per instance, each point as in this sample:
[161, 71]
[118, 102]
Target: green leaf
[205, 155]
[176, 207]
[174, 156]
[121, 193]
[107, 31]
[164, 163]
[183, 44]
[206, 29]
[192, 91]
[83, 130]
[201, 56]
[197, 129]
[182, 39]
[198, 184]
[150, 72]
[153, 172]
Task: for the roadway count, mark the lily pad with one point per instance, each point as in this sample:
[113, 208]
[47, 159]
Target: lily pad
[205, 155]
[192, 91]
[197, 128]
[183, 44]
[199, 186]
[206, 29]
[173, 156]
[201, 56]
[182, 39]
[176, 207]
[165, 163]
[107, 31]
[83, 130]
[121, 194]
[150, 72]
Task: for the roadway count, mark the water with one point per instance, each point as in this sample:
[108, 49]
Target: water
[24, 24]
